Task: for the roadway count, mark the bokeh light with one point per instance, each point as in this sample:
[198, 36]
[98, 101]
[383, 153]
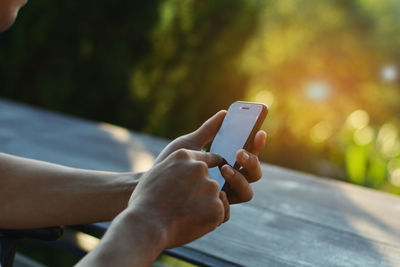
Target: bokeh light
[265, 97]
[363, 136]
[393, 164]
[389, 73]
[321, 132]
[395, 177]
[358, 119]
[387, 141]
[318, 90]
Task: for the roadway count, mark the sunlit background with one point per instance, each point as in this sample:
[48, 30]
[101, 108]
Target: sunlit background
[328, 70]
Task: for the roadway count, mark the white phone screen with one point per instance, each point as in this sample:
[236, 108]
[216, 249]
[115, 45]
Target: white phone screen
[233, 134]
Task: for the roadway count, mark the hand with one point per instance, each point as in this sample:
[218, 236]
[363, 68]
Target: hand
[197, 139]
[178, 197]
[174, 203]
[240, 189]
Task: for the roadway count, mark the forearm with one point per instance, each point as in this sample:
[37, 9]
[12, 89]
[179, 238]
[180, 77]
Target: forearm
[39, 194]
[131, 240]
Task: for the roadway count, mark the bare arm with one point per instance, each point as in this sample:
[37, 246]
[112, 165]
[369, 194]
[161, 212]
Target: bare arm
[174, 203]
[130, 241]
[39, 194]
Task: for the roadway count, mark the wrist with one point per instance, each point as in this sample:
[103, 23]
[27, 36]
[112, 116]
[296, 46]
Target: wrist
[129, 181]
[131, 240]
[149, 231]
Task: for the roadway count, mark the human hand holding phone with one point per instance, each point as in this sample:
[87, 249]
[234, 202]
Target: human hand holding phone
[174, 203]
[239, 180]
[237, 134]
[180, 197]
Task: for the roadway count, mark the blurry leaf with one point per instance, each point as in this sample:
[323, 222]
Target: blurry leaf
[377, 172]
[356, 163]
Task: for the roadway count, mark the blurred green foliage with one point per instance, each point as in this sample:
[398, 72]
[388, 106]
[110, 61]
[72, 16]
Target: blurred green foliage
[327, 69]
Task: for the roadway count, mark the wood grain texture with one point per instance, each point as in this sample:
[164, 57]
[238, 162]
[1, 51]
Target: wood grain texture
[295, 219]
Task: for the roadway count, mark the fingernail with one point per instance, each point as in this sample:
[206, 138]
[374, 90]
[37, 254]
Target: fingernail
[228, 171]
[221, 159]
[245, 156]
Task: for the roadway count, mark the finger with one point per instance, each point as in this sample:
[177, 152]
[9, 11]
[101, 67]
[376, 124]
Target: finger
[259, 142]
[211, 159]
[251, 165]
[238, 184]
[209, 129]
[224, 199]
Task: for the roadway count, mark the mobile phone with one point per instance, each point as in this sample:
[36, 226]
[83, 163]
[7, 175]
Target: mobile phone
[238, 129]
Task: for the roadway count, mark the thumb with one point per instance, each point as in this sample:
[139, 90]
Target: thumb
[211, 159]
[208, 129]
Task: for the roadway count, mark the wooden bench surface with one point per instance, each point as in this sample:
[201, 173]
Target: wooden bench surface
[295, 219]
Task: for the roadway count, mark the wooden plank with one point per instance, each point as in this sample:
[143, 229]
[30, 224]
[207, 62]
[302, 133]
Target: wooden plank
[34, 133]
[335, 204]
[295, 219]
[255, 237]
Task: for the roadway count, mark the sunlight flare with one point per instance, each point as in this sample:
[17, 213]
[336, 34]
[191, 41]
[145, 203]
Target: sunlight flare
[358, 119]
[321, 132]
